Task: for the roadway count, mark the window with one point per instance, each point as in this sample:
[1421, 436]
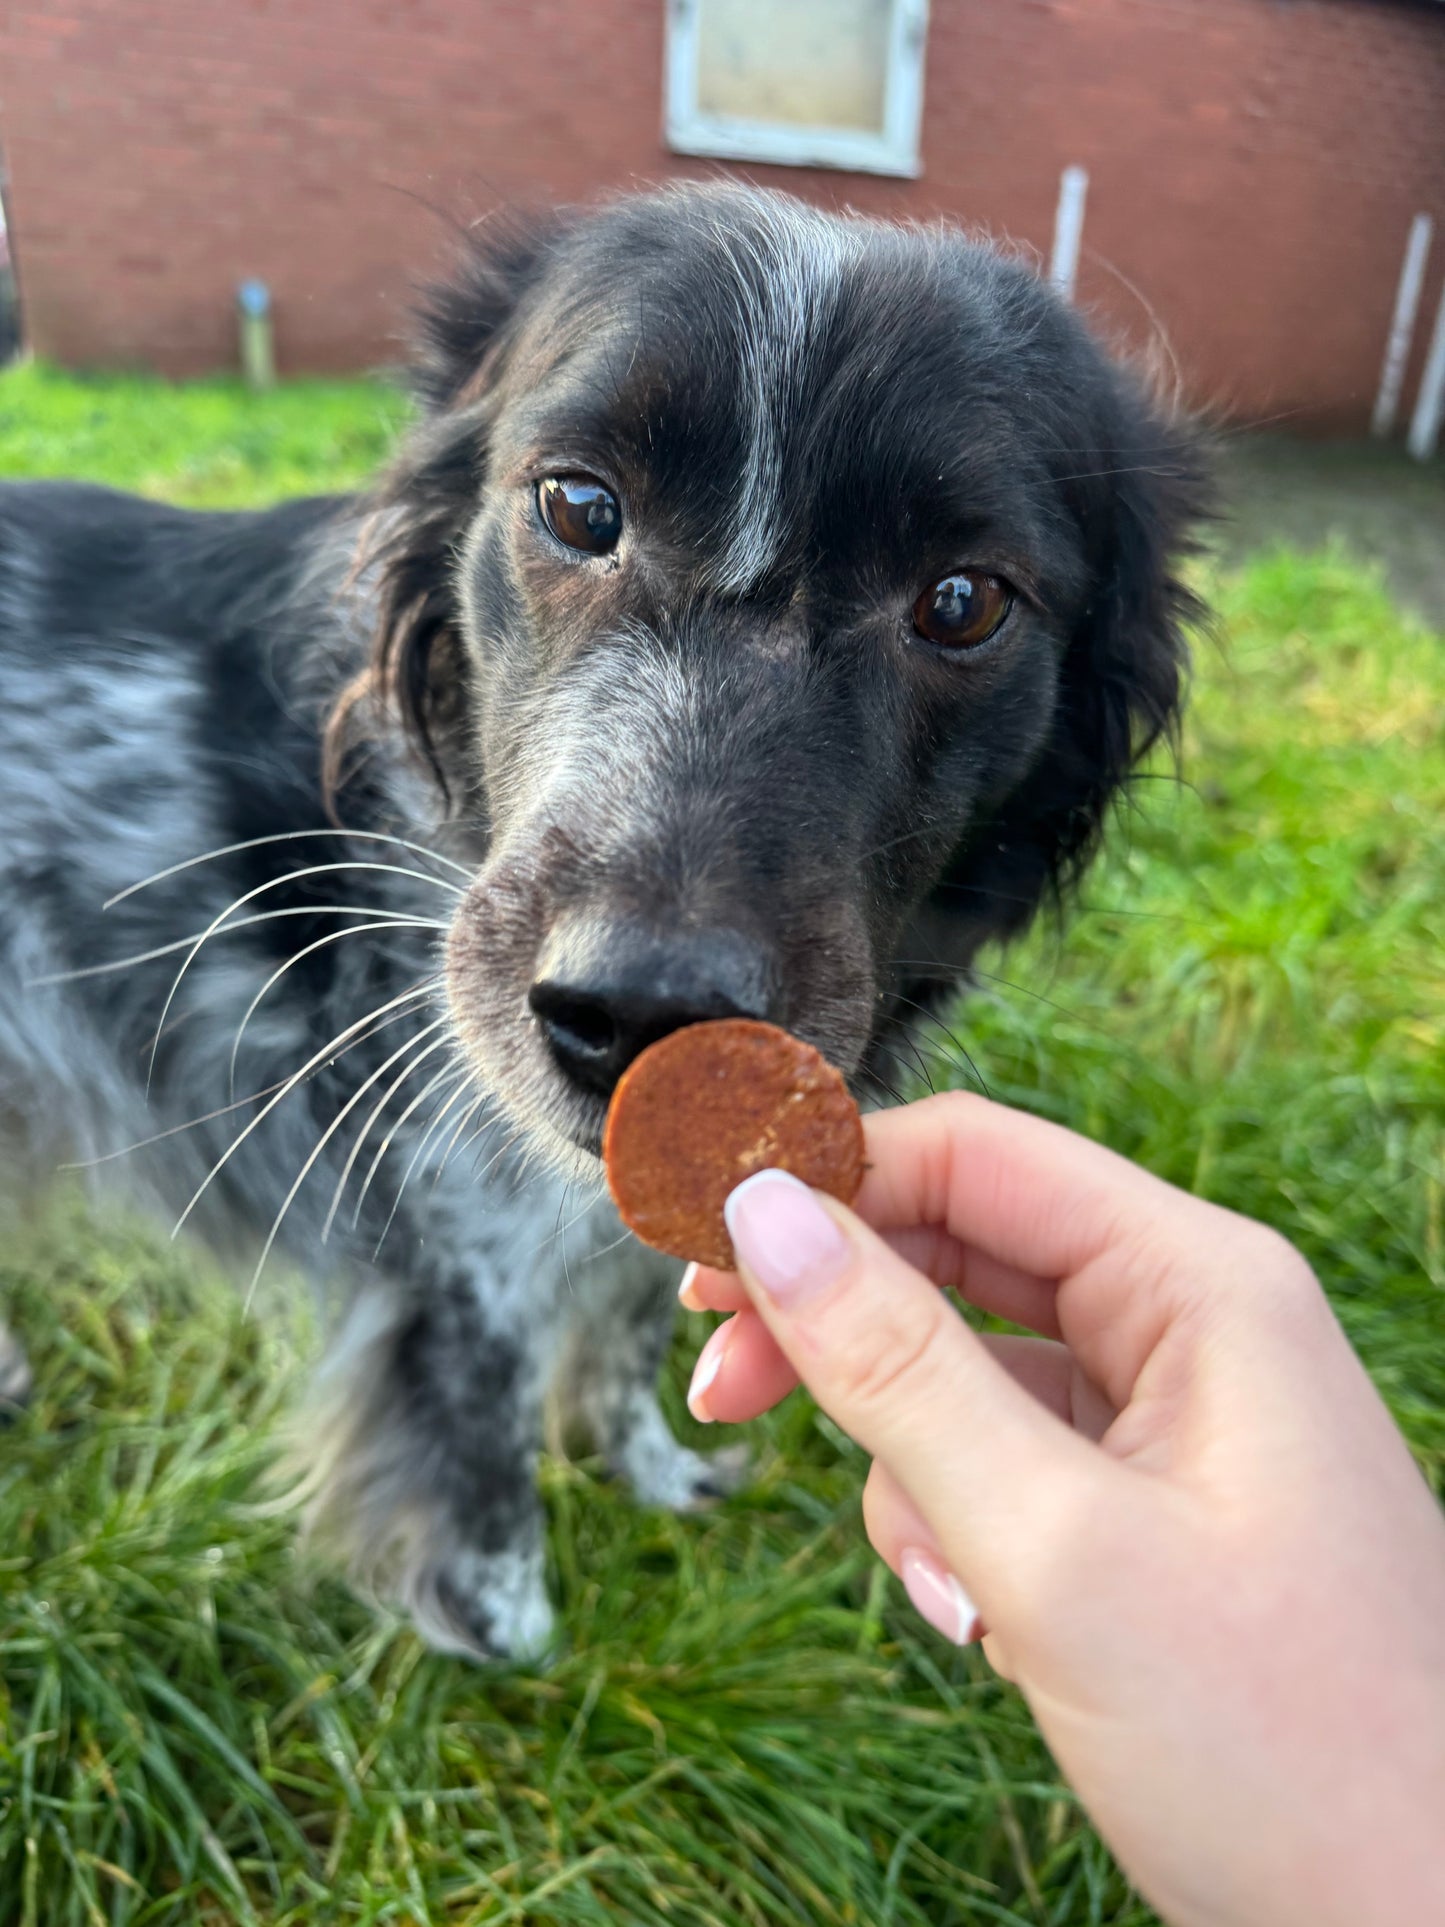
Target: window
[813, 83]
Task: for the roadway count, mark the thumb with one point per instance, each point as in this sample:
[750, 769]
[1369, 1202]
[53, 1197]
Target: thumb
[888, 1358]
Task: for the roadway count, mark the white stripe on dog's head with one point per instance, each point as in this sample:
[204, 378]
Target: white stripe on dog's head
[787, 273]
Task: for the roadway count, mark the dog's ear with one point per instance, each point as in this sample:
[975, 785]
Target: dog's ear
[1140, 493]
[462, 320]
[421, 506]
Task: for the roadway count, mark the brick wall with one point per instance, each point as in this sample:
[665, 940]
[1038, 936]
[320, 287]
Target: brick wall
[1253, 164]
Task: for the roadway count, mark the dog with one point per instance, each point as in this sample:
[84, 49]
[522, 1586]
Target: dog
[761, 615]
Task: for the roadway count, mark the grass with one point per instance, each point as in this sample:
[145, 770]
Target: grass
[207, 444]
[748, 1726]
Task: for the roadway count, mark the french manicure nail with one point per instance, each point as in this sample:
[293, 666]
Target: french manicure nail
[938, 1596]
[784, 1236]
[709, 1364]
[684, 1289]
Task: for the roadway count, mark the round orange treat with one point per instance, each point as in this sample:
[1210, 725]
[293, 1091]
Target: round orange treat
[705, 1107]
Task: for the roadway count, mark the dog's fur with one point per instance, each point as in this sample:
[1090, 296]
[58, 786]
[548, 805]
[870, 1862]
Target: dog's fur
[721, 754]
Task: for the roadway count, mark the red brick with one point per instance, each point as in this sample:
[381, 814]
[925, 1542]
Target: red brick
[1253, 165]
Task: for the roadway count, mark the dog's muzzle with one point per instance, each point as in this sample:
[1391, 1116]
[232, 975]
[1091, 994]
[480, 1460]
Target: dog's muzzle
[604, 991]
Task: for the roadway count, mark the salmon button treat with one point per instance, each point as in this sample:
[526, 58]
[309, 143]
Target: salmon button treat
[705, 1107]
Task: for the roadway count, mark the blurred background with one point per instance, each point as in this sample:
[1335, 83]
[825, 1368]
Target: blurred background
[1259, 181]
[214, 213]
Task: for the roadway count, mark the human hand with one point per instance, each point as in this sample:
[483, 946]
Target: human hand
[1198, 1542]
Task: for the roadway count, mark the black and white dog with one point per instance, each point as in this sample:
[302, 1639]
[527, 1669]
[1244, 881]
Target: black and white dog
[761, 616]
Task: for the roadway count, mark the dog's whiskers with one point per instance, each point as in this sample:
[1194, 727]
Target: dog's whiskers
[876, 1077]
[985, 890]
[939, 1025]
[377, 1111]
[393, 922]
[191, 1124]
[321, 1143]
[466, 1117]
[271, 883]
[531, 1157]
[291, 836]
[500, 1152]
[902, 1062]
[908, 836]
[222, 1110]
[459, 1071]
[326, 1055]
[1074, 1016]
[559, 1229]
[487, 1124]
[243, 923]
[386, 1143]
[603, 1250]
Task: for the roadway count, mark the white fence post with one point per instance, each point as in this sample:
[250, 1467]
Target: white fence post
[1068, 229]
[1430, 402]
[1402, 325]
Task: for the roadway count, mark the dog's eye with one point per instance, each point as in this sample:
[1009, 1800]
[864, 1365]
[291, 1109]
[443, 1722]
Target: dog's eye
[580, 512]
[962, 610]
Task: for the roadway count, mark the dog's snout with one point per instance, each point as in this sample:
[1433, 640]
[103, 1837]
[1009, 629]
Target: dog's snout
[603, 994]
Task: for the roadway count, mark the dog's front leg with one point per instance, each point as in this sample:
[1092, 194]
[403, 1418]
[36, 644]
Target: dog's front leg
[621, 1324]
[420, 1445]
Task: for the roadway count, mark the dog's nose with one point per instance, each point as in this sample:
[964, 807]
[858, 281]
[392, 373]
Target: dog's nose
[605, 993]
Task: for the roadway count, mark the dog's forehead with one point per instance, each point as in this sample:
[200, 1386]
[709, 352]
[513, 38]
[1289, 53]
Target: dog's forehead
[752, 356]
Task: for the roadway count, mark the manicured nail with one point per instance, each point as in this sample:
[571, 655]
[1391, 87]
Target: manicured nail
[684, 1289]
[938, 1596]
[709, 1364]
[784, 1236]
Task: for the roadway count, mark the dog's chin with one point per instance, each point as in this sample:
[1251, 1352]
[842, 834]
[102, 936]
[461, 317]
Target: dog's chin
[578, 1122]
[559, 1125]
[575, 1156]
[565, 1123]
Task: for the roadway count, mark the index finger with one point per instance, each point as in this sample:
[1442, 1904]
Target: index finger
[995, 1203]
[1030, 1222]
[1127, 1253]
[1030, 1194]
[999, 1289]
[956, 1176]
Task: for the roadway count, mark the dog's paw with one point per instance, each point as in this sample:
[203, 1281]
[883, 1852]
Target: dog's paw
[15, 1380]
[486, 1606]
[671, 1476]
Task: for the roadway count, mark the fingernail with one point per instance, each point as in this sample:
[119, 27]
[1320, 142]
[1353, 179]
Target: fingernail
[938, 1596]
[684, 1289]
[709, 1364]
[784, 1236]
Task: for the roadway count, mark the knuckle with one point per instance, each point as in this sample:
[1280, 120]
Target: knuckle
[1286, 1266]
[1273, 1271]
[1284, 1278]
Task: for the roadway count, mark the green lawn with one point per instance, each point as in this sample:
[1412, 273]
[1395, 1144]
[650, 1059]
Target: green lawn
[748, 1725]
[207, 444]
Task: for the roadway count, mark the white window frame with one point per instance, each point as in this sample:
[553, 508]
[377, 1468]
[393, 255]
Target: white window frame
[728, 137]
